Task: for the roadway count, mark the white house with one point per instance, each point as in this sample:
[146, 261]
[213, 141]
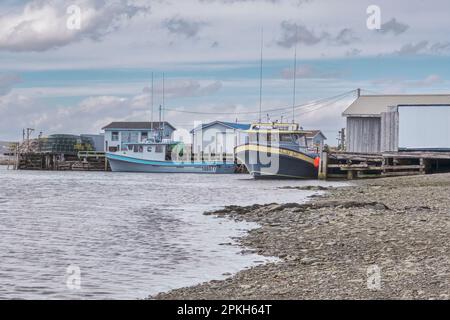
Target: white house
[119, 133]
[218, 137]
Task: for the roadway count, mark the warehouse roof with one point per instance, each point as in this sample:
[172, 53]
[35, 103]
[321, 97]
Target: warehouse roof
[137, 125]
[374, 105]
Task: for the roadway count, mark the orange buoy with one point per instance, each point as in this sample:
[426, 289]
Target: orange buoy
[316, 162]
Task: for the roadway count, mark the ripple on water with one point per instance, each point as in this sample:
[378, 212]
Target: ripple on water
[131, 235]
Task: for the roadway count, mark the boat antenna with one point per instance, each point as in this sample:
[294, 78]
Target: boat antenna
[159, 126]
[261, 75]
[163, 101]
[295, 76]
[151, 114]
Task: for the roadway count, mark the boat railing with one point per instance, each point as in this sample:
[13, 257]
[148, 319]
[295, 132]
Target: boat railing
[90, 154]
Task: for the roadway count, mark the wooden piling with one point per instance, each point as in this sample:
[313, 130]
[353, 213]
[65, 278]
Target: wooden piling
[323, 166]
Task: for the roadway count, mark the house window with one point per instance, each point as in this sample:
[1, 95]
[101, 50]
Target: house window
[115, 136]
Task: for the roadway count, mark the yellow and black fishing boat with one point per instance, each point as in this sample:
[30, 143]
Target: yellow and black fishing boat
[278, 150]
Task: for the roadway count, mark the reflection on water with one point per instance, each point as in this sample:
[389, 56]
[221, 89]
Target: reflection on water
[131, 235]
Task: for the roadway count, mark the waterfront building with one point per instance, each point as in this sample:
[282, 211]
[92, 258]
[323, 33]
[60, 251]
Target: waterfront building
[117, 134]
[219, 138]
[382, 123]
[315, 139]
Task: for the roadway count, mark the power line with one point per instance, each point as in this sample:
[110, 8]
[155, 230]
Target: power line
[312, 103]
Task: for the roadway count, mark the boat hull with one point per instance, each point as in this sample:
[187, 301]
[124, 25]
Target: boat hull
[127, 164]
[277, 163]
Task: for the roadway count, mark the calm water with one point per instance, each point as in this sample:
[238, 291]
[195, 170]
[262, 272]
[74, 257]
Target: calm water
[131, 235]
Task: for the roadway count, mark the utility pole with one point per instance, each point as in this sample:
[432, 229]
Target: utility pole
[341, 139]
[29, 131]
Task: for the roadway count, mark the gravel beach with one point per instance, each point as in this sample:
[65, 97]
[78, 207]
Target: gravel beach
[334, 246]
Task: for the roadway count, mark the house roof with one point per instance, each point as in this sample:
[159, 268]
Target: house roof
[231, 125]
[374, 105]
[137, 125]
[314, 133]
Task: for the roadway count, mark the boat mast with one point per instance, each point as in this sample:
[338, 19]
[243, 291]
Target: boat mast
[295, 77]
[260, 76]
[151, 114]
[163, 102]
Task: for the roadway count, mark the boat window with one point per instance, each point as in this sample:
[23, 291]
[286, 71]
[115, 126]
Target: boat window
[135, 148]
[285, 138]
[141, 149]
[130, 147]
[302, 141]
[144, 136]
[149, 149]
[159, 148]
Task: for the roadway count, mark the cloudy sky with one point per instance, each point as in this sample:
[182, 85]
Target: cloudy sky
[60, 77]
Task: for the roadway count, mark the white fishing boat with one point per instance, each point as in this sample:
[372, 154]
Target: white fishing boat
[163, 156]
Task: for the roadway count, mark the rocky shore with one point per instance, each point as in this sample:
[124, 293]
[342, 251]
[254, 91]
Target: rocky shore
[336, 245]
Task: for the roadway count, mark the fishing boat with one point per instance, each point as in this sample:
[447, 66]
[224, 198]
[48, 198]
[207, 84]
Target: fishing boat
[278, 150]
[162, 156]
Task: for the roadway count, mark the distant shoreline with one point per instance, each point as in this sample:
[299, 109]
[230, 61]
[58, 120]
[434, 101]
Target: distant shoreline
[330, 246]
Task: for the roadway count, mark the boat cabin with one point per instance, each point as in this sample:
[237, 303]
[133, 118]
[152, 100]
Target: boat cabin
[151, 150]
[285, 135]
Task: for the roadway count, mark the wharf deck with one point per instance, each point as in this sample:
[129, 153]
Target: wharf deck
[347, 165]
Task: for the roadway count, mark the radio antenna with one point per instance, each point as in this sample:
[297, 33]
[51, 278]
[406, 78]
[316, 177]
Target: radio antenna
[260, 76]
[295, 77]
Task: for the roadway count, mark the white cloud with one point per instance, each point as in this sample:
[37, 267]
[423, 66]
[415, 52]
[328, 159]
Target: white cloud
[308, 72]
[212, 31]
[42, 24]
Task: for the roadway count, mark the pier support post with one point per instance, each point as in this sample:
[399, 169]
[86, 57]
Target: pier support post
[422, 166]
[323, 166]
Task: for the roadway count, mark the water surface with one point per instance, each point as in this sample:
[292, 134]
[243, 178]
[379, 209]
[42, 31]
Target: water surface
[131, 235]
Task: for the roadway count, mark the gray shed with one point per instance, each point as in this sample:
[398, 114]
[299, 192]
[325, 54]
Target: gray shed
[379, 123]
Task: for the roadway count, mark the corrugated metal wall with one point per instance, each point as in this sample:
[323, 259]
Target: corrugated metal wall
[389, 131]
[363, 134]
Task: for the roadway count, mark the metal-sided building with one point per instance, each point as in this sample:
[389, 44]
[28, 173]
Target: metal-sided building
[381, 123]
[315, 139]
[219, 137]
